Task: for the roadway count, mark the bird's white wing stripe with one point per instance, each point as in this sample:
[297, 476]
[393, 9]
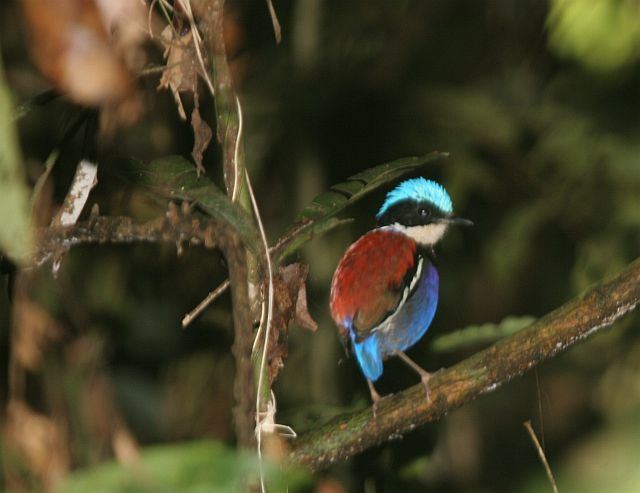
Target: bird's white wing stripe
[405, 295]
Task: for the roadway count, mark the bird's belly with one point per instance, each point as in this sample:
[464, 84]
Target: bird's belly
[409, 324]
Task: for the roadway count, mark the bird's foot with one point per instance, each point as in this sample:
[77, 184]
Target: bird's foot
[425, 377]
[375, 398]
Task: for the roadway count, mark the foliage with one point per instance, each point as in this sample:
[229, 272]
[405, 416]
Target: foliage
[15, 238]
[188, 467]
[175, 178]
[604, 35]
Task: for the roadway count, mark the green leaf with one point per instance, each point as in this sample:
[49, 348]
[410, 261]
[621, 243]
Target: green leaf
[194, 467]
[603, 35]
[475, 335]
[15, 233]
[175, 178]
[317, 217]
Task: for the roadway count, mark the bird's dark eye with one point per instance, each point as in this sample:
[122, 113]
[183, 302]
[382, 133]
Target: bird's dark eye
[424, 212]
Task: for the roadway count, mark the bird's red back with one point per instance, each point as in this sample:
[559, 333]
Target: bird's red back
[368, 281]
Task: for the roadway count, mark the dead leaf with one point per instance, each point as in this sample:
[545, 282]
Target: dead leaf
[290, 306]
[295, 275]
[71, 47]
[201, 135]
[96, 407]
[125, 447]
[303, 317]
[34, 328]
[126, 21]
[38, 442]
[329, 485]
[181, 72]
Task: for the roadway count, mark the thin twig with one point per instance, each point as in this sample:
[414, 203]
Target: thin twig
[211, 297]
[542, 455]
[277, 30]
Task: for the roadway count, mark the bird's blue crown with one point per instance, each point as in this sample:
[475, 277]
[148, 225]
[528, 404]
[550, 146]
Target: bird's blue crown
[419, 190]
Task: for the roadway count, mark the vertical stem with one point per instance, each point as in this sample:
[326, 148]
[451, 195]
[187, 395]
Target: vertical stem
[228, 131]
[227, 114]
[243, 385]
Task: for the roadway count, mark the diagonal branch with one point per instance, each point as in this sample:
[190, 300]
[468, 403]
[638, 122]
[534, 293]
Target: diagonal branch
[483, 372]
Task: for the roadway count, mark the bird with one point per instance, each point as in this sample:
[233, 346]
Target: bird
[384, 291]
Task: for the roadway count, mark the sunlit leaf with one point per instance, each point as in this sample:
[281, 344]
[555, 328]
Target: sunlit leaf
[317, 217]
[175, 178]
[15, 236]
[188, 468]
[603, 35]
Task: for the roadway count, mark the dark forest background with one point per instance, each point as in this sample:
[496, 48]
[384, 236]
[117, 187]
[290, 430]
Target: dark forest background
[538, 104]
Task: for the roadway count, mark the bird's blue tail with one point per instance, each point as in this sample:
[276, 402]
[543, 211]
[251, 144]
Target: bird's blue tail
[369, 357]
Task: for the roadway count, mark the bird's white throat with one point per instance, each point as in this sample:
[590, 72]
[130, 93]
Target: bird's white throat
[429, 234]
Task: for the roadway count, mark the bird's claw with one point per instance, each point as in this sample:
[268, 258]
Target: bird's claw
[425, 377]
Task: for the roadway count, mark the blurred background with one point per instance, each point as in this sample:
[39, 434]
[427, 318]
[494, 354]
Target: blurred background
[538, 103]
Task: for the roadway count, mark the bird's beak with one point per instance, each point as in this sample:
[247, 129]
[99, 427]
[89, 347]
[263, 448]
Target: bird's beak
[458, 221]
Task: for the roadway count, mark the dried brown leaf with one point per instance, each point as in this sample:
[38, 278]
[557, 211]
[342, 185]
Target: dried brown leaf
[96, 407]
[126, 21]
[303, 317]
[202, 134]
[34, 328]
[289, 306]
[71, 47]
[38, 441]
[181, 72]
[125, 447]
[329, 485]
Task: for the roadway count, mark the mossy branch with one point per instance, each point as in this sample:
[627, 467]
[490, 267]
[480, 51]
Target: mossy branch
[177, 227]
[483, 372]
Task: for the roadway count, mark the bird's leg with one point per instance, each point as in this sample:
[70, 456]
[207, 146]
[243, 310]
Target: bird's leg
[375, 397]
[424, 375]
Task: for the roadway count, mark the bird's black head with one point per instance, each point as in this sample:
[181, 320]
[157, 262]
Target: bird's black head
[421, 209]
[411, 213]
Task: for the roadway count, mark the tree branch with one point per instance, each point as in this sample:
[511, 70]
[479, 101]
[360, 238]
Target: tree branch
[177, 226]
[483, 372]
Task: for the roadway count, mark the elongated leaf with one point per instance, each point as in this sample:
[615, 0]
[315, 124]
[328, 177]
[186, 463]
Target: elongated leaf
[295, 239]
[175, 178]
[190, 467]
[475, 335]
[15, 234]
[316, 218]
[357, 186]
